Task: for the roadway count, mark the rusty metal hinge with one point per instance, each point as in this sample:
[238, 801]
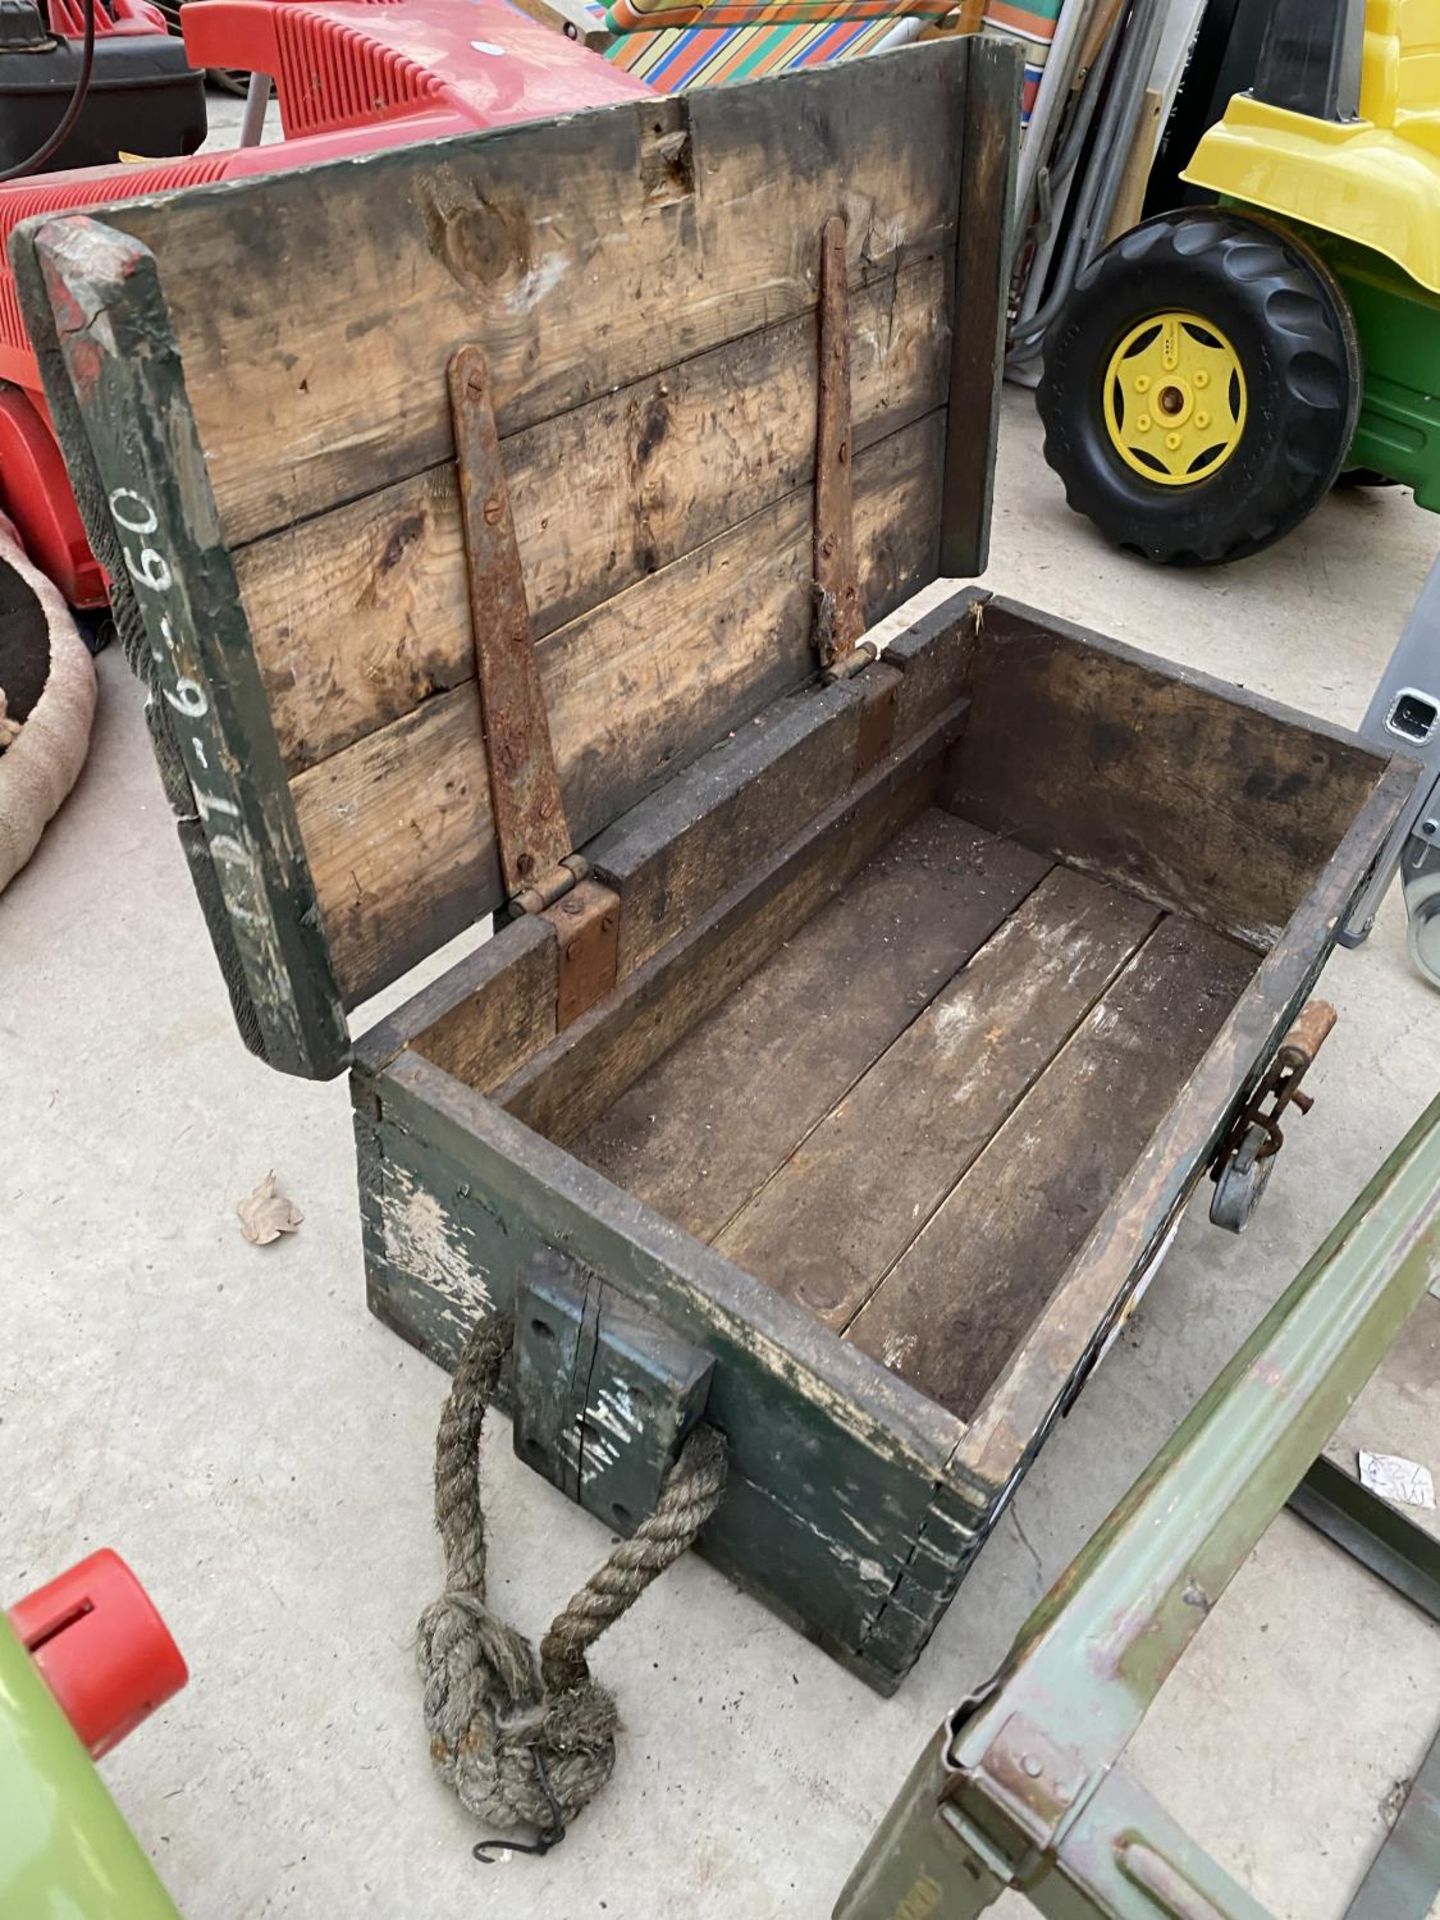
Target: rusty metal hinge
[864, 653]
[553, 886]
[530, 825]
[839, 614]
[542, 874]
[587, 925]
[880, 696]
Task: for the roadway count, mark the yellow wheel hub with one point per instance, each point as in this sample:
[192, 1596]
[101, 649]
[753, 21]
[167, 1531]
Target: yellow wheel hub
[1175, 399]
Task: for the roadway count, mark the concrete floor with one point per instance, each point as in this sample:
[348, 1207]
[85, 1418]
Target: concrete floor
[259, 1448]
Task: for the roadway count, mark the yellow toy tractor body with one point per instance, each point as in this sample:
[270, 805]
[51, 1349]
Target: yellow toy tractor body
[1373, 180]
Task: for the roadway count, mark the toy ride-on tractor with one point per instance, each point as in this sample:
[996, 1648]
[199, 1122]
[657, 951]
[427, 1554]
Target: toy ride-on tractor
[1218, 367]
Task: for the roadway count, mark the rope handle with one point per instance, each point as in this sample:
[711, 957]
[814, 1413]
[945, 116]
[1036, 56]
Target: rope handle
[521, 1743]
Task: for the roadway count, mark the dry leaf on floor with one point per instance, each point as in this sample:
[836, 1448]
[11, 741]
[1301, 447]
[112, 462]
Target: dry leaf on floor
[265, 1214]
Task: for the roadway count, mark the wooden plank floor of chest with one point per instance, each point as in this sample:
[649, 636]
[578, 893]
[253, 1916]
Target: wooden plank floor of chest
[851, 1039]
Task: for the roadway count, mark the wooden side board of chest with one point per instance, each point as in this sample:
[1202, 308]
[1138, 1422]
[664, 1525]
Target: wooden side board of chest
[843, 1088]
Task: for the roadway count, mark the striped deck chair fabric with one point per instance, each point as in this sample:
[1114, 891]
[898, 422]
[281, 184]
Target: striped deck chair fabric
[637, 16]
[675, 45]
[1034, 26]
[675, 58]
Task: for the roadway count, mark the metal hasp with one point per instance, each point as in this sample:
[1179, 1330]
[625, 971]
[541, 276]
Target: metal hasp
[603, 1397]
[1024, 1787]
[1245, 1162]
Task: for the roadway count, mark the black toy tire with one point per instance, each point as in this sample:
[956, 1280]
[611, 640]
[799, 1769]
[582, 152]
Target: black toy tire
[1291, 327]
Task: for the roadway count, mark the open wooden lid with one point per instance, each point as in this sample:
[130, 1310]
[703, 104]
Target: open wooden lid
[258, 374]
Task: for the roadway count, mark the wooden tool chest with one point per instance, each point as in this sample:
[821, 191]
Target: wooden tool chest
[854, 1029]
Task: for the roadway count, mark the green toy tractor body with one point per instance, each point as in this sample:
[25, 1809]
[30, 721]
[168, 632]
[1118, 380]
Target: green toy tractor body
[1398, 325]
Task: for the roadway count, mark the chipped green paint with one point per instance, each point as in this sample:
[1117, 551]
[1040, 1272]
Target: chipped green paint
[834, 1464]
[128, 382]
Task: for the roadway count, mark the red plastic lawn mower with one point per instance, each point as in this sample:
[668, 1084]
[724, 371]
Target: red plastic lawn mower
[85, 82]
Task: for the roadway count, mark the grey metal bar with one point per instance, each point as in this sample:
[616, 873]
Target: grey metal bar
[1403, 1878]
[1371, 1531]
[257, 99]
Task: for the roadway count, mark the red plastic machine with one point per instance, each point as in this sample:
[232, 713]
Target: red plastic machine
[350, 76]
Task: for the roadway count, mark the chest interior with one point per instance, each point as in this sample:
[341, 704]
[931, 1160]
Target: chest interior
[891, 1035]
